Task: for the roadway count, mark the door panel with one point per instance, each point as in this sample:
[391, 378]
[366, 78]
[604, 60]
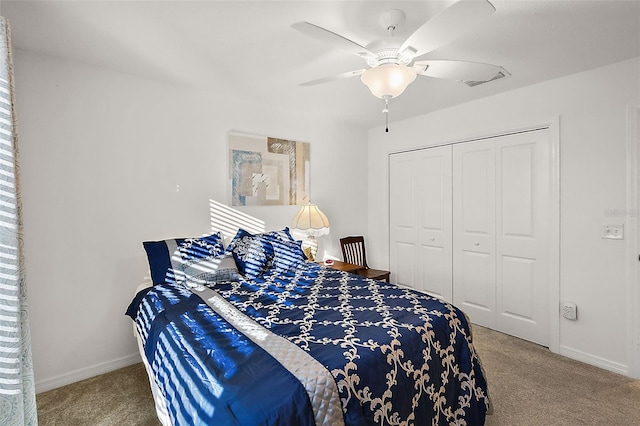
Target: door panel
[517, 165]
[517, 298]
[434, 231]
[404, 263]
[475, 185]
[474, 271]
[433, 176]
[402, 218]
[420, 218]
[435, 278]
[476, 282]
[522, 197]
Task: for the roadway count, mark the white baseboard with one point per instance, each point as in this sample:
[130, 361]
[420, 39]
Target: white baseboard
[86, 373]
[596, 361]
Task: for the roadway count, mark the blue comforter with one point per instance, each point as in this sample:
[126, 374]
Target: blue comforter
[396, 356]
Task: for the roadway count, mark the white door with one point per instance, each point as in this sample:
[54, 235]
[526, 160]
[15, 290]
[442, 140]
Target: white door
[402, 218]
[501, 233]
[522, 234]
[470, 223]
[474, 253]
[420, 218]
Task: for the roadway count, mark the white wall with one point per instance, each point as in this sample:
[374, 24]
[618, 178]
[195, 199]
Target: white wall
[102, 154]
[592, 108]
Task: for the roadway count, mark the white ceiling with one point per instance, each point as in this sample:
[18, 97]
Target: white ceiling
[248, 50]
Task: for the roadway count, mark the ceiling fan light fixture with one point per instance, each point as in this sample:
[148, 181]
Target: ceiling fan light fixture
[388, 80]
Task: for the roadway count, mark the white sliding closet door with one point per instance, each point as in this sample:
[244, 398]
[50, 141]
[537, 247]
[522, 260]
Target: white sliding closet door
[522, 234]
[474, 256]
[470, 223]
[501, 233]
[420, 218]
[403, 218]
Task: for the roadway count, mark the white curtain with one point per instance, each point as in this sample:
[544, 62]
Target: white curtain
[17, 391]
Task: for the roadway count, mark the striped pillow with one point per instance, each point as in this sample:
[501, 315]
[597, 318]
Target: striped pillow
[174, 259]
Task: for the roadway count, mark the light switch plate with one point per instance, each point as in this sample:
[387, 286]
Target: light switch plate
[613, 232]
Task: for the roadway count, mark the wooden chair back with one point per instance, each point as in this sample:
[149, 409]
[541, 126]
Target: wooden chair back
[353, 250]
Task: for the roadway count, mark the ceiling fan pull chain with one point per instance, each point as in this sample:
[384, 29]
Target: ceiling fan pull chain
[385, 111]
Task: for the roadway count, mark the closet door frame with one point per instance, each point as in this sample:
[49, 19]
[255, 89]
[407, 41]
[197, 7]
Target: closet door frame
[553, 126]
[633, 240]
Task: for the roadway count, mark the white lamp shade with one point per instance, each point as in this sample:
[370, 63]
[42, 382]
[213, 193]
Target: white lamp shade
[388, 80]
[311, 219]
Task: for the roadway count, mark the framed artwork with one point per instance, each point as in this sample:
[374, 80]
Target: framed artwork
[268, 171]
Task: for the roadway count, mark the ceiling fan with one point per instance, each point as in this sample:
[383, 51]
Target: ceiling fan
[394, 64]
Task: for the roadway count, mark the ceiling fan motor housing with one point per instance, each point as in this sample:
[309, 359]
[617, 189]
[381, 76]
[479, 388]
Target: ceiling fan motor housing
[386, 50]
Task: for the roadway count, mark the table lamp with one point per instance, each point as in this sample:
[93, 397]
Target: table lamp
[312, 222]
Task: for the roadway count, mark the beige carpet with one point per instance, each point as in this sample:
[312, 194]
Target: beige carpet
[528, 385]
[531, 386]
[121, 398]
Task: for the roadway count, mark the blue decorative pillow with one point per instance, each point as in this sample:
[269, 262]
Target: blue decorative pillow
[171, 260]
[252, 253]
[288, 255]
[283, 235]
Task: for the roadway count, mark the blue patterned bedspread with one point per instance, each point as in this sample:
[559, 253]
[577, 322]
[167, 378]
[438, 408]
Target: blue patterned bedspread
[397, 356]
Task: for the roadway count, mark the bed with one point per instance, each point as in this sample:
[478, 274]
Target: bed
[252, 334]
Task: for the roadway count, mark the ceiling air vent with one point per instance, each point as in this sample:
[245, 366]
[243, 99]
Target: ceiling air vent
[501, 74]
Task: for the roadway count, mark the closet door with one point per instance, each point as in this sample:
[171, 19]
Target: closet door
[474, 261]
[522, 234]
[420, 232]
[501, 233]
[470, 223]
[403, 203]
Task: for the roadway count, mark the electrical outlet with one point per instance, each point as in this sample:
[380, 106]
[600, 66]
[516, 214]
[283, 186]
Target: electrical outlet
[613, 232]
[569, 311]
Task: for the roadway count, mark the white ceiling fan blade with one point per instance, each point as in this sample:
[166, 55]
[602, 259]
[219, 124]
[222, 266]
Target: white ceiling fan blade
[327, 36]
[448, 25]
[471, 73]
[333, 77]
